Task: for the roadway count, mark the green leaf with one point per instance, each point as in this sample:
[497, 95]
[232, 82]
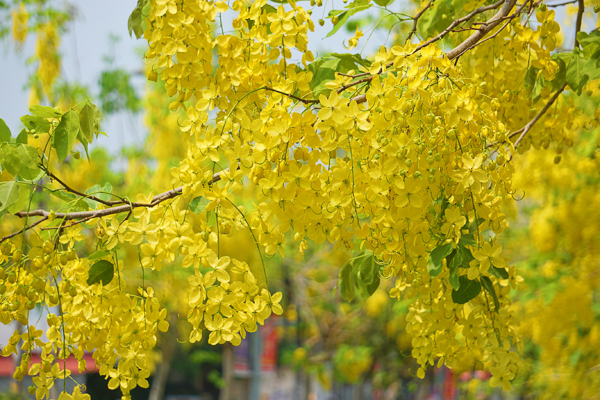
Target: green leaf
[592, 66]
[136, 19]
[80, 205]
[10, 159]
[383, 3]
[435, 19]
[34, 122]
[29, 158]
[352, 60]
[455, 261]
[98, 254]
[101, 192]
[211, 218]
[487, 284]
[62, 195]
[22, 201]
[342, 16]
[465, 255]
[474, 226]
[372, 287]
[65, 134]
[467, 240]
[561, 75]
[468, 290]
[347, 282]
[22, 138]
[367, 269]
[84, 143]
[44, 112]
[591, 40]
[323, 71]
[197, 205]
[499, 272]
[102, 271]
[86, 121]
[4, 132]
[434, 264]
[9, 194]
[576, 74]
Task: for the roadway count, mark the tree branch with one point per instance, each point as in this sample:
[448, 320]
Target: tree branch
[579, 20]
[87, 215]
[539, 115]
[416, 20]
[562, 4]
[25, 229]
[305, 101]
[458, 22]
[74, 191]
[487, 27]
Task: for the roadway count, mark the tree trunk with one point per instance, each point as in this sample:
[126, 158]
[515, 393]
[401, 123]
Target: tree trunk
[225, 393]
[157, 391]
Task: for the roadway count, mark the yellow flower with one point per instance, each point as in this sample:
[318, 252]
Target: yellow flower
[489, 255]
[353, 42]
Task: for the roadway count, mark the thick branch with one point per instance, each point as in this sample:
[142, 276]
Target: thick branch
[579, 20]
[458, 22]
[487, 27]
[85, 215]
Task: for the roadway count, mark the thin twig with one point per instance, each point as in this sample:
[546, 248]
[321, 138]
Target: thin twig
[305, 101]
[562, 4]
[25, 229]
[67, 226]
[523, 131]
[416, 20]
[530, 124]
[77, 192]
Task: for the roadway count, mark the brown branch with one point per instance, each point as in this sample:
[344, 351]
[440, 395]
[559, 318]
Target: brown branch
[25, 229]
[358, 82]
[487, 38]
[562, 4]
[539, 115]
[509, 18]
[416, 20]
[458, 22]
[523, 131]
[49, 228]
[361, 99]
[77, 192]
[487, 27]
[82, 216]
[580, 11]
[305, 101]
